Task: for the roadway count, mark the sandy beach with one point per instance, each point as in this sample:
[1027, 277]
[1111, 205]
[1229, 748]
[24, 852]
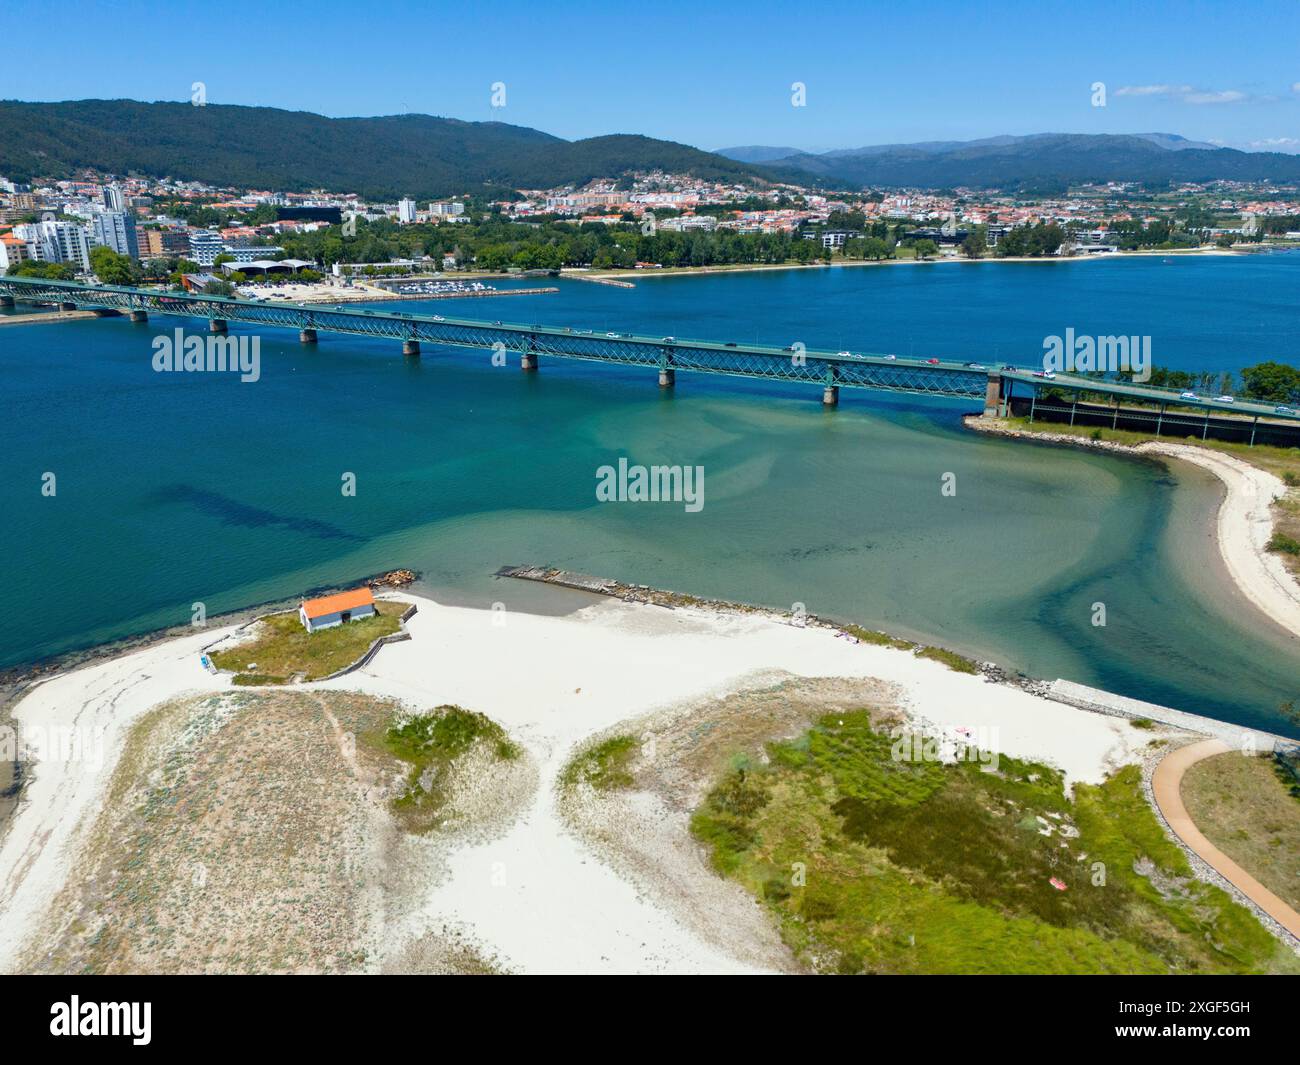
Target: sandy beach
[536, 896]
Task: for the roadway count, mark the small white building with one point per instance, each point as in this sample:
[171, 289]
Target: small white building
[331, 610]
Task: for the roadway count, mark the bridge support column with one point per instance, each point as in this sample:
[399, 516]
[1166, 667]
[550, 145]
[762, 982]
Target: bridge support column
[528, 360]
[65, 306]
[411, 348]
[307, 336]
[139, 316]
[6, 301]
[831, 396]
[993, 396]
[667, 377]
[217, 325]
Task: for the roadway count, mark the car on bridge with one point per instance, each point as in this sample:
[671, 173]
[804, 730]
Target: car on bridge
[1280, 409]
[891, 358]
[932, 362]
[976, 366]
[1188, 395]
[1225, 399]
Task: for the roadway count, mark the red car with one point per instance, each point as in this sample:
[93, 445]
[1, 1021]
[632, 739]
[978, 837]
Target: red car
[933, 362]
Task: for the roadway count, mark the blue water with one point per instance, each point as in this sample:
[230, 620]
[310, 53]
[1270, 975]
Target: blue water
[183, 488]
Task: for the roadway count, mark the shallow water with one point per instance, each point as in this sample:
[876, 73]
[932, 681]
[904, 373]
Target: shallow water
[186, 488]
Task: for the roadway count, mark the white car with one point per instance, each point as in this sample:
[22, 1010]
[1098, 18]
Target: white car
[1225, 399]
[1283, 410]
[891, 358]
[1188, 395]
[844, 353]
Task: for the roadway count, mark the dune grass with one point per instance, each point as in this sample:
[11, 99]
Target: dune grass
[430, 744]
[605, 765]
[871, 863]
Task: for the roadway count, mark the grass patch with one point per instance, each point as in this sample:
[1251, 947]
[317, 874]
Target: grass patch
[871, 863]
[1143, 723]
[430, 745]
[283, 649]
[606, 766]
[951, 659]
[1245, 810]
[882, 639]
[1281, 542]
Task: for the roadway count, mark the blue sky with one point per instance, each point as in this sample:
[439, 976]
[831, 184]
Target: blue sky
[712, 73]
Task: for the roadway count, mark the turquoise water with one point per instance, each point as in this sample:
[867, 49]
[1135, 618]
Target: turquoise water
[184, 488]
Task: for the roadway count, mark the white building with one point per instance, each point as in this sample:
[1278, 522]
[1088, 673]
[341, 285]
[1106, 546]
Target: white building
[406, 211]
[56, 242]
[116, 230]
[205, 246]
[446, 210]
[331, 610]
[114, 198]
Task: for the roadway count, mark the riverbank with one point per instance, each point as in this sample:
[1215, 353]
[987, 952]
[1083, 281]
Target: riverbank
[1245, 521]
[750, 268]
[569, 680]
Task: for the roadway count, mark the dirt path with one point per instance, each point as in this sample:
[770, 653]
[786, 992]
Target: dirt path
[1166, 785]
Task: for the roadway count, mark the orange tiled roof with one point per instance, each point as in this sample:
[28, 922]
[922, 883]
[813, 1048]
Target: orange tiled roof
[332, 604]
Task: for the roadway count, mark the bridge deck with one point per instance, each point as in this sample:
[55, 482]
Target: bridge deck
[940, 377]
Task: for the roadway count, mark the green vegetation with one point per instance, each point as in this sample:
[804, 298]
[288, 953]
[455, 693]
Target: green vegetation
[951, 659]
[45, 271]
[882, 864]
[431, 744]
[1288, 545]
[283, 649]
[380, 158]
[605, 766]
[1242, 806]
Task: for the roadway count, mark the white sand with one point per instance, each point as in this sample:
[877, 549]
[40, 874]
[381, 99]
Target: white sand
[1245, 524]
[537, 897]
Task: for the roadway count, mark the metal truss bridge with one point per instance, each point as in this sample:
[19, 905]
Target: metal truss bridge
[831, 370]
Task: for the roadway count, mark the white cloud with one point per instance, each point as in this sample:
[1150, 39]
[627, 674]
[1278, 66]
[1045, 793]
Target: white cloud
[1186, 93]
[1153, 90]
[1227, 96]
[1290, 145]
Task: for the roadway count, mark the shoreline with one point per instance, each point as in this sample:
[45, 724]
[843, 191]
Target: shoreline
[749, 268]
[1243, 525]
[569, 682]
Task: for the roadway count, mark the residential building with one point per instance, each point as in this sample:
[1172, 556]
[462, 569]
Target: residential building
[115, 229]
[205, 246]
[12, 252]
[405, 211]
[114, 198]
[56, 242]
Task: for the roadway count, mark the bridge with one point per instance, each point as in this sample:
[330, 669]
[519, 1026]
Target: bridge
[994, 385]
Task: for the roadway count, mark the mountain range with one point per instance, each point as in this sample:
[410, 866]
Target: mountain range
[1040, 160]
[426, 156]
[264, 147]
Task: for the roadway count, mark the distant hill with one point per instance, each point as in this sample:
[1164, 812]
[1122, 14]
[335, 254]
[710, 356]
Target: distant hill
[263, 147]
[1042, 159]
[756, 153]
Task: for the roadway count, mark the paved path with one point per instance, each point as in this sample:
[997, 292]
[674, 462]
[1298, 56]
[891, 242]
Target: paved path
[1166, 785]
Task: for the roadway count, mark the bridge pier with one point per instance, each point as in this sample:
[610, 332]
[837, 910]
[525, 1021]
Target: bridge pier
[411, 348]
[308, 336]
[217, 325]
[6, 301]
[528, 360]
[667, 377]
[139, 316]
[831, 396]
[993, 396]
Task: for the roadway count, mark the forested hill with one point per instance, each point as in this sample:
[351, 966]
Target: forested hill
[263, 147]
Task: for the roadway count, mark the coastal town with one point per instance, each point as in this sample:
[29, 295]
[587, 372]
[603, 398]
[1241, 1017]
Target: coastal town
[218, 240]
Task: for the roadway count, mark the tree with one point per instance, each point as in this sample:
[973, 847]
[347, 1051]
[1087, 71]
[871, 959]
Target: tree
[925, 247]
[112, 268]
[1273, 382]
[46, 271]
[975, 244]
